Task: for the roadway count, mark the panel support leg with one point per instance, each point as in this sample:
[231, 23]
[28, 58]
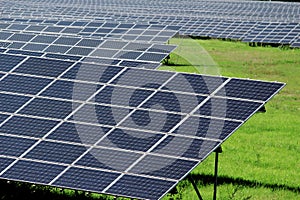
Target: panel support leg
[195, 187]
[217, 151]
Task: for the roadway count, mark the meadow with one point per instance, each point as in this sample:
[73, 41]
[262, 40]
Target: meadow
[259, 161]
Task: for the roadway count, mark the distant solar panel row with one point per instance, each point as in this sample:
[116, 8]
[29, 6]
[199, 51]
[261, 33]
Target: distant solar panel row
[105, 121]
[237, 10]
[235, 22]
[113, 30]
[76, 48]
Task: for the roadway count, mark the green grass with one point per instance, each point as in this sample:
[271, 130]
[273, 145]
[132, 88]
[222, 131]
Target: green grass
[260, 160]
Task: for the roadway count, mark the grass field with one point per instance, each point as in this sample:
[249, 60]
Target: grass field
[261, 160]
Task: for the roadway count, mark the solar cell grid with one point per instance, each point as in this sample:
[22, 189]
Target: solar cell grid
[125, 131]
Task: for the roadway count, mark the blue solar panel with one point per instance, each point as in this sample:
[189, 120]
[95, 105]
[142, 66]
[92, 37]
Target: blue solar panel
[151, 165]
[52, 152]
[130, 140]
[49, 108]
[33, 172]
[43, 67]
[229, 108]
[83, 179]
[26, 126]
[8, 62]
[132, 185]
[12, 146]
[11, 103]
[23, 84]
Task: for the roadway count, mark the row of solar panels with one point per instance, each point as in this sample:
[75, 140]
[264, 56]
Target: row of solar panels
[245, 10]
[248, 31]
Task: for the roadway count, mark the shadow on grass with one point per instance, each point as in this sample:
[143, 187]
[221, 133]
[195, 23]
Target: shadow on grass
[207, 179]
[10, 190]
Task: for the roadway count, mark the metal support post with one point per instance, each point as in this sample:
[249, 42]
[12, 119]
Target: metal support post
[217, 151]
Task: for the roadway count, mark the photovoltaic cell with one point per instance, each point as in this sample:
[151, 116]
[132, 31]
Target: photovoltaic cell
[8, 62]
[26, 126]
[43, 67]
[83, 179]
[151, 165]
[52, 152]
[33, 172]
[12, 146]
[132, 185]
[23, 84]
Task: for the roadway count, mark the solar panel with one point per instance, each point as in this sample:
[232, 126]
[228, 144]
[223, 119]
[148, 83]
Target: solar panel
[82, 108]
[116, 131]
[76, 48]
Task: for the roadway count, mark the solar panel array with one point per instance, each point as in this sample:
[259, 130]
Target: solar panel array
[217, 19]
[82, 107]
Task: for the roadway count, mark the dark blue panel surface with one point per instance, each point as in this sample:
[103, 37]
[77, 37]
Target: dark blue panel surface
[150, 120]
[46, 39]
[143, 78]
[43, 67]
[25, 53]
[67, 41]
[11, 103]
[207, 128]
[113, 44]
[98, 114]
[186, 147]
[174, 102]
[8, 62]
[80, 51]
[49, 108]
[3, 117]
[228, 108]
[140, 187]
[57, 49]
[122, 96]
[70, 90]
[33, 172]
[91, 72]
[130, 140]
[23, 84]
[63, 57]
[128, 63]
[79, 133]
[28, 126]
[16, 45]
[195, 84]
[12, 146]
[250, 89]
[108, 159]
[128, 55]
[153, 57]
[5, 162]
[52, 29]
[5, 35]
[21, 37]
[34, 47]
[86, 179]
[56, 152]
[163, 167]
[89, 43]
